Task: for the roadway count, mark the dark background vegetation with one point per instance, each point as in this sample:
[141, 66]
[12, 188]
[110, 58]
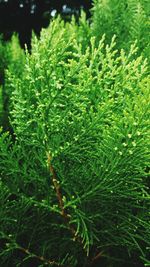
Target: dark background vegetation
[23, 16]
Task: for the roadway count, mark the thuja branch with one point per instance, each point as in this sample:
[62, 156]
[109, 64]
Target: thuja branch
[95, 259]
[57, 188]
[40, 258]
[14, 245]
[64, 213]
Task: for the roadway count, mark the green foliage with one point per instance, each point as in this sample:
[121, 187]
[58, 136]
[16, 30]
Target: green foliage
[4, 58]
[12, 58]
[1, 102]
[128, 19]
[74, 182]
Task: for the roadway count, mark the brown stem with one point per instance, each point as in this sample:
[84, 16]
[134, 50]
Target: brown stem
[64, 213]
[40, 258]
[57, 187]
[28, 252]
[96, 258]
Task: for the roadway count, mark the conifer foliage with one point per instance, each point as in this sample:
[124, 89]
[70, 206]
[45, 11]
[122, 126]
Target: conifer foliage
[74, 187]
[128, 19]
[12, 57]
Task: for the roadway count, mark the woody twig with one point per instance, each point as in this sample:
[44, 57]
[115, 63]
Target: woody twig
[64, 213]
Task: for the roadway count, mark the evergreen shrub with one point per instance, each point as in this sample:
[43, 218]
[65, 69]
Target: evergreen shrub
[74, 187]
[128, 19]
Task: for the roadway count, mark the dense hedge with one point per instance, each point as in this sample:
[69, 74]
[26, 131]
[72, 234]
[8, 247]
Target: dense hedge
[74, 187]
